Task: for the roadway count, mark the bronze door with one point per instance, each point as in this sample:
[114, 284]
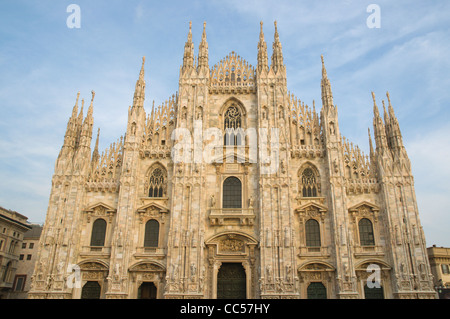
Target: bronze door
[147, 291]
[231, 281]
[316, 290]
[91, 290]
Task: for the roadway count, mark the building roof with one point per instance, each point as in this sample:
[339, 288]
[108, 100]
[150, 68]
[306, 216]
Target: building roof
[34, 232]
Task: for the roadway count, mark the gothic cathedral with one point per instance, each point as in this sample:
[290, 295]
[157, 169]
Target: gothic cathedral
[232, 188]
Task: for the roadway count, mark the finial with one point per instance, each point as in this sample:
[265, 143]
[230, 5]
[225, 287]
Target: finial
[276, 31]
[204, 25]
[373, 97]
[93, 95]
[324, 70]
[389, 101]
[78, 96]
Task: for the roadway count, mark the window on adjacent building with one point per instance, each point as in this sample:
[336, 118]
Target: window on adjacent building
[31, 246]
[98, 232]
[445, 269]
[232, 193]
[366, 236]
[19, 283]
[312, 231]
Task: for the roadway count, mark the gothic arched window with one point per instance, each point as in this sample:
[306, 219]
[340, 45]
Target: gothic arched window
[98, 233]
[232, 126]
[366, 236]
[309, 183]
[157, 183]
[312, 230]
[232, 193]
[151, 237]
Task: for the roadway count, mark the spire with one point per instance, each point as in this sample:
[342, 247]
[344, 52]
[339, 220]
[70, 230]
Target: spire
[91, 106]
[72, 127]
[378, 127]
[188, 57]
[86, 130]
[139, 92]
[203, 50]
[263, 60]
[375, 108]
[277, 54]
[372, 153]
[395, 134]
[95, 153]
[75, 107]
[327, 95]
[391, 109]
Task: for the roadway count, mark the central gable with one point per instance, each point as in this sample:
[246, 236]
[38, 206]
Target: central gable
[232, 71]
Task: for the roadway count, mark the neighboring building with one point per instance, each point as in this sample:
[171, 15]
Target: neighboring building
[299, 212]
[27, 259]
[440, 268]
[12, 228]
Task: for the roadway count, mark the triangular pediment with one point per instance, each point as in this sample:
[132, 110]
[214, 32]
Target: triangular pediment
[153, 206]
[311, 205]
[100, 205]
[362, 204]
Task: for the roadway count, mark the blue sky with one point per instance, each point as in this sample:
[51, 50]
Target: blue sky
[44, 64]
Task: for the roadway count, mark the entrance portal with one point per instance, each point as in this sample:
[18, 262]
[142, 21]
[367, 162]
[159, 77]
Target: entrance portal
[91, 290]
[316, 290]
[231, 281]
[147, 291]
[373, 293]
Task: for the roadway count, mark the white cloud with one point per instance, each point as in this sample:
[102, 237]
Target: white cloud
[429, 154]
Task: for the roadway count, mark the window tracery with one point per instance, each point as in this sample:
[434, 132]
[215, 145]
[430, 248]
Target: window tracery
[157, 183]
[309, 183]
[233, 126]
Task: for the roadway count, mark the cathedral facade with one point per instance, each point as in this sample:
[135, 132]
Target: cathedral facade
[232, 188]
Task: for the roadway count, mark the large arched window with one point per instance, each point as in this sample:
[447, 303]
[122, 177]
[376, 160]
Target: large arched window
[233, 126]
[151, 237]
[312, 231]
[98, 233]
[232, 193]
[366, 236]
[309, 183]
[157, 183]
